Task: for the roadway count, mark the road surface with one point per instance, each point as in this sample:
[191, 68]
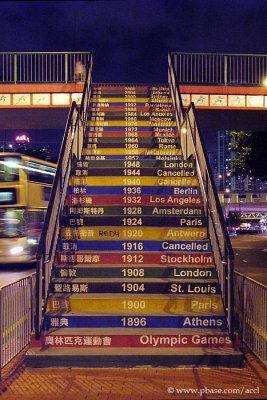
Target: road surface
[251, 256]
[12, 273]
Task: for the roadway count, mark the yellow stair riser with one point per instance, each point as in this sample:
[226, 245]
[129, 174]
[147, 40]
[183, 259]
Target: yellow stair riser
[137, 305]
[132, 181]
[133, 233]
[132, 151]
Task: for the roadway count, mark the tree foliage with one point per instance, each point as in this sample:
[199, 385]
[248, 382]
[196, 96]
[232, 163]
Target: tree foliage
[250, 153]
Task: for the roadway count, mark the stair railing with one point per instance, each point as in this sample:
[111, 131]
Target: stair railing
[71, 148]
[192, 147]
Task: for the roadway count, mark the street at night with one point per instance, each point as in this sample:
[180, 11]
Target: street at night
[11, 274]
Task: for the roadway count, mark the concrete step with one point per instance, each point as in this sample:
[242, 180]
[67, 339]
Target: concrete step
[132, 357]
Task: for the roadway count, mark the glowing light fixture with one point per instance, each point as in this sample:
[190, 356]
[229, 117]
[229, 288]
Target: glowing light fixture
[16, 250]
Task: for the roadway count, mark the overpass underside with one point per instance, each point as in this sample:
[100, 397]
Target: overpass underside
[55, 118]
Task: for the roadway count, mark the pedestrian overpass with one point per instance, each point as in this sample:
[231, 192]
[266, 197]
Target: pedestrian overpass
[37, 89]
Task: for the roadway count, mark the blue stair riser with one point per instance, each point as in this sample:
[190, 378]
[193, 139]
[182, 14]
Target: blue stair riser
[140, 287]
[127, 157]
[133, 172]
[136, 190]
[180, 322]
[130, 245]
[138, 145]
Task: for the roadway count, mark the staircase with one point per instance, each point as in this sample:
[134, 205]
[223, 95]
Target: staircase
[134, 280]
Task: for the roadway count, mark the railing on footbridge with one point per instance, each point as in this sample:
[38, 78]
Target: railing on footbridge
[220, 69]
[41, 67]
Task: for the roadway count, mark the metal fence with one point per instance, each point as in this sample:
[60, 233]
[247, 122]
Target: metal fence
[17, 310]
[40, 67]
[220, 69]
[251, 314]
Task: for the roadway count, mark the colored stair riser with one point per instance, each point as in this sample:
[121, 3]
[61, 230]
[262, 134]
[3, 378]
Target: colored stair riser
[144, 146]
[126, 220]
[134, 233]
[152, 258]
[133, 181]
[158, 191]
[134, 91]
[179, 273]
[145, 100]
[136, 306]
[144, 164]
[133, 117]
[129, 87]
[138, 210]
[127, 157]
[100, 141]
[137, 132]
[130, 145]
[132, 151]
[220, 340]
[178, 322]
[130, 130]
[140, 287]
[137, 112]
[100, 200]
[155, 122]
[146, 245]
[133, 172]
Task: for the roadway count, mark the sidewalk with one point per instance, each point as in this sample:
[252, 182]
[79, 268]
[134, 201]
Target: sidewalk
[21, 383]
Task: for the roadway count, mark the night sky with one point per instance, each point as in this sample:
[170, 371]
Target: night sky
[130, 39]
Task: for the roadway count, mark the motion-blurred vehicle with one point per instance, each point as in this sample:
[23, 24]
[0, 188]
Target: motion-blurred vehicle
[25, 187]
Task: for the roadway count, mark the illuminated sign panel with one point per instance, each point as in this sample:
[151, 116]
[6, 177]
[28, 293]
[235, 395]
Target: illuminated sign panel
[22, 138]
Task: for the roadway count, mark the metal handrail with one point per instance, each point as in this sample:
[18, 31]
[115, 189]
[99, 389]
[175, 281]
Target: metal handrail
[192, 146]
[251, 314]
[40, 67]
[71, 147]
[220, 68]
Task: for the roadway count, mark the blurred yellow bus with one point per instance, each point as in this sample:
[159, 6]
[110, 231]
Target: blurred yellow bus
[25, 187]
